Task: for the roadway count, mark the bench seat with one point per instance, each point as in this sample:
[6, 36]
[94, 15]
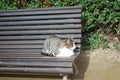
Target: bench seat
[22, 34]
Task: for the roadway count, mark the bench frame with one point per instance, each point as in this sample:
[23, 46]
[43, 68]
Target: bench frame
[22, 34]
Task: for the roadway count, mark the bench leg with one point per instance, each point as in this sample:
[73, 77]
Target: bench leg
[65, 77]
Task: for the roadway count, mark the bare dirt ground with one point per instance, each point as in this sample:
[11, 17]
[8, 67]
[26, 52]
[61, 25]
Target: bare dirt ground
[93, 65]
[101, 65]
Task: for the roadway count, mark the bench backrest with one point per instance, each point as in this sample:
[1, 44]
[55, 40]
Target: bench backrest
[22, 32]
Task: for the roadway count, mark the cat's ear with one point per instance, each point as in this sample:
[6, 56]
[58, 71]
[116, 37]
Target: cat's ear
[68, 41]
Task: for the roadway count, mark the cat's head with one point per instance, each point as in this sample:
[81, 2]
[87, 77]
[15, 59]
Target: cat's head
[70, 44]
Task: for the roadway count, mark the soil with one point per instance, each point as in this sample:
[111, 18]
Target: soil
[93, 65]
[102, 65]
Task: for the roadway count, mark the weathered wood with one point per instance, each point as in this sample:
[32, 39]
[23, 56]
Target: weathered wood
[44, 58]
[60, 16]
[40, 32]
[38, 37]
[22, 42]
[42, 22]
[41, 11]
[37, 70]
[19, 13]
[36, 64]
[22, 46]
[22, 34]
[29, 42]
[21, 51]
[42, 27]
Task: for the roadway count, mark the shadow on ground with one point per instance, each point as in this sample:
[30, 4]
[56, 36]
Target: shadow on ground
[82, 63]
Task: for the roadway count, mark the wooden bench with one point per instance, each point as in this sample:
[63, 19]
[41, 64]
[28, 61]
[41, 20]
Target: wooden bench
[22, 34]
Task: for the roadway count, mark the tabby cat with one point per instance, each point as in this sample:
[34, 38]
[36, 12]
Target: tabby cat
[55, 46]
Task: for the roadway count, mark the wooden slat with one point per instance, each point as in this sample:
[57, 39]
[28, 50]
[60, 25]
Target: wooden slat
[38, 70]
[34, 37]
[40, 42]
[20, 53]
[36, 12]
[36, 64]
[22, 42]
[22, 56]
[39, 37]
[19, 50]
[14, 46]
[42, 27]
[41, 22]
[39, 17]
[2, 14]
[45, 59]
[25, 53]
[40, 32]
[21, 46]
[40, 11]
[24, 50]
[18, 56]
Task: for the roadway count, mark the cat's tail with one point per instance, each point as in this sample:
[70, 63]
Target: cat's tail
[43, 52]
